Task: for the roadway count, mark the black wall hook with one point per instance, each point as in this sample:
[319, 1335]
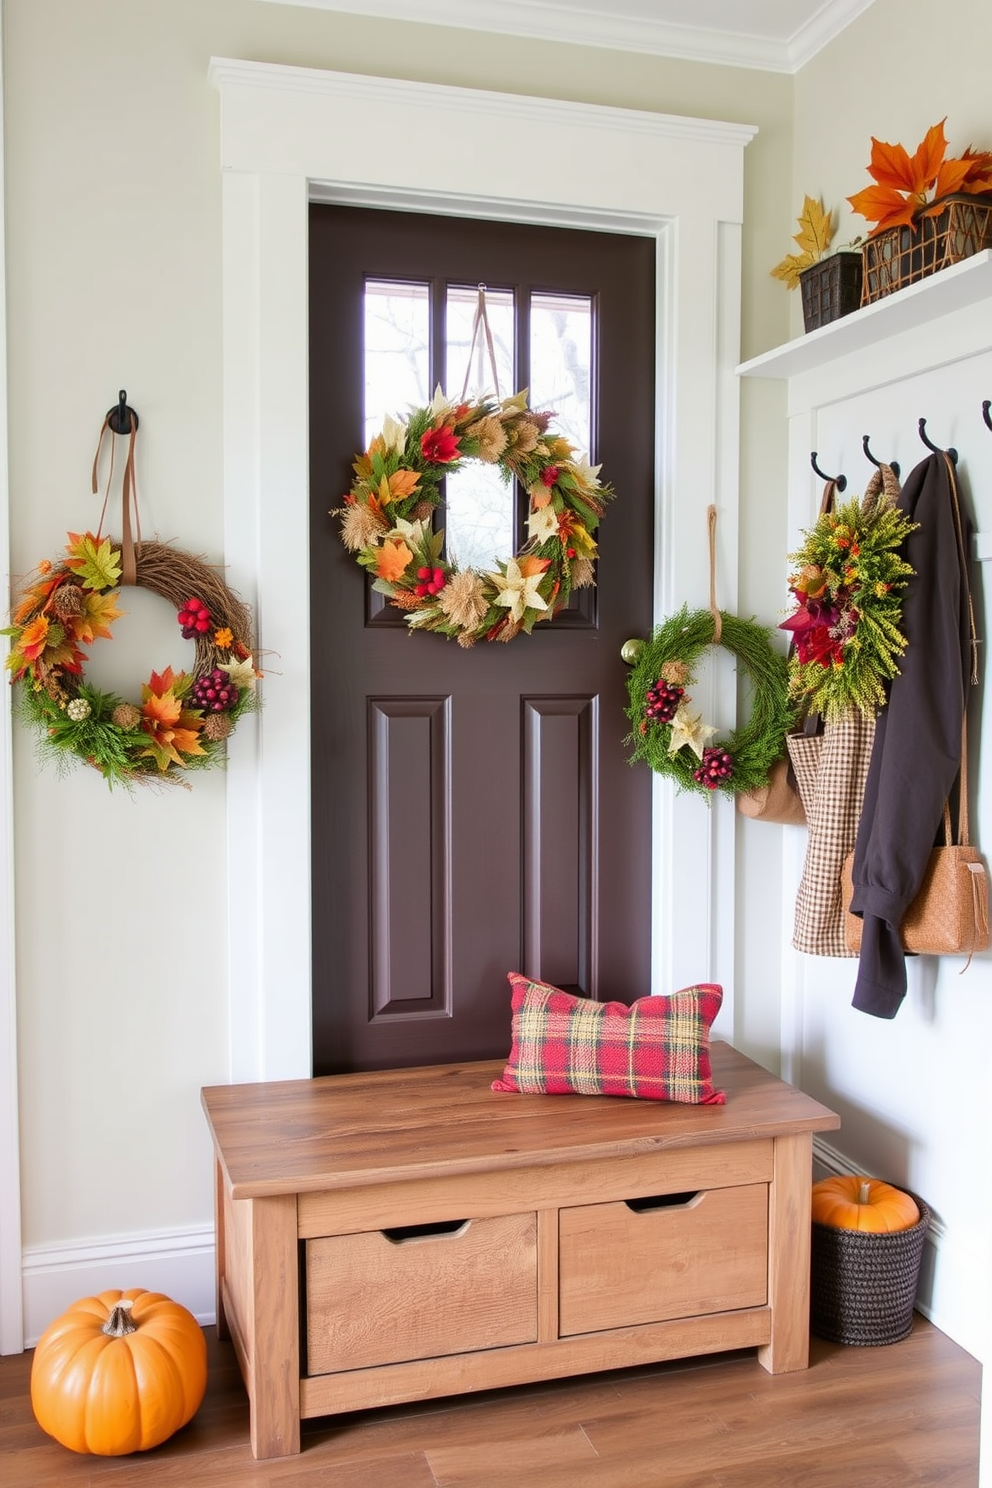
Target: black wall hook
[893, 464]
[986, 405]
[951, 454]
[840, 481]
[120, 416]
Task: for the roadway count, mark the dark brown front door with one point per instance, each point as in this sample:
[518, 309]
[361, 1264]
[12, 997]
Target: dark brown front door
[473, 811]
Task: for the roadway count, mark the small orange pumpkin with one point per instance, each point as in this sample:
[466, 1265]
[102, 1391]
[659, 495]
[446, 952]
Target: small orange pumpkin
[118, 1372]
[858, 1203]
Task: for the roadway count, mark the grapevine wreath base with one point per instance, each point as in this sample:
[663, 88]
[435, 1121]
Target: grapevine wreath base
[182, 720]
[673, 739]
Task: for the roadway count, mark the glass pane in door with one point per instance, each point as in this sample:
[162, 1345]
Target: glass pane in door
[561, 364]
[397, 351]
[479, 503]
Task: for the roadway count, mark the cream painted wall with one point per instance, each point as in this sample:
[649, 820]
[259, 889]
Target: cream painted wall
[913, 1102]
[898, 69]
[113, 193]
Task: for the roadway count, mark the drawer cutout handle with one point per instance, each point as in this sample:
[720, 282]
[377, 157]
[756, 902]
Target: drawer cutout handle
[399, 1234]
[662, 1201]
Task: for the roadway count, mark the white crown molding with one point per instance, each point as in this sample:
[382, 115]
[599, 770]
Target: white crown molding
[821, 29]
[369, 92]
[547, 21]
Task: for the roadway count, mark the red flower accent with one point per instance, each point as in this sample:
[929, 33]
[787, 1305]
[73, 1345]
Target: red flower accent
[550, 474]
[439, 446]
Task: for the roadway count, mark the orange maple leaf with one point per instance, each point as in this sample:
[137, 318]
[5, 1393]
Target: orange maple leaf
[162, 682]
[33, 639]
[36, 598]
[172, 731]
[979, 176]
[911, 186]
[532, 565]
[403, 483]
[392, 559]
[99, 613]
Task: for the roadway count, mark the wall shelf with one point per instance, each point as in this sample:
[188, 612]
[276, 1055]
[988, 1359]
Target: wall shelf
[958, 287]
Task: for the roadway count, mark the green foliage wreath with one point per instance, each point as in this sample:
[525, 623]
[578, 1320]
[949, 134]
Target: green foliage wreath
[848, 581]
[671, 738]
[172, 724]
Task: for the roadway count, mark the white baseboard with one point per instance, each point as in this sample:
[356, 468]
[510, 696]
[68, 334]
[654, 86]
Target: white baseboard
[953, 1285]
[179, 1263]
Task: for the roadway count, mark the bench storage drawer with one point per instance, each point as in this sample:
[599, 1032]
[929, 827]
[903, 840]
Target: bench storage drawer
[647, 1260]
[385, 1296]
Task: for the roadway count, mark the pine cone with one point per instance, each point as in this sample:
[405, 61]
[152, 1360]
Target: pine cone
[217, 727]
[67, 601]
[126, 716]
[422, 511]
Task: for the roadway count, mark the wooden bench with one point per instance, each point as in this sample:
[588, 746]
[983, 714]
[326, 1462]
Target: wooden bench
[410, 1234]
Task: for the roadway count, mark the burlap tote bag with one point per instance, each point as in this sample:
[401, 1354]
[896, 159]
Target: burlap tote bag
[831, 769]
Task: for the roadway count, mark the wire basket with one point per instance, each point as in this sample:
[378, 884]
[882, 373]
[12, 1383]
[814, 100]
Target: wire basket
[903, 255]
[863, 1284]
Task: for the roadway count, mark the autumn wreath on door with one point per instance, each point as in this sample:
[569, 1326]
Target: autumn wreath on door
[387, 518]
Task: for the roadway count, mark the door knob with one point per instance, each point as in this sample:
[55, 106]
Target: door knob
[631, 650]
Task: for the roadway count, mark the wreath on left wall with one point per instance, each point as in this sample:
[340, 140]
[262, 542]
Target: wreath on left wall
[183, 719]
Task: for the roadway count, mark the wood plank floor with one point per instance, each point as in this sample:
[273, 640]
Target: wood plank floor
[895, 1417]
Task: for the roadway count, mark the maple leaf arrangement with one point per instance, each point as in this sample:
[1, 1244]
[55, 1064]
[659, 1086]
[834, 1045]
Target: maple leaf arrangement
[178, 722]
[816, 230]
[387, 518]
[848, 584]
[671, 737]
[910, 187]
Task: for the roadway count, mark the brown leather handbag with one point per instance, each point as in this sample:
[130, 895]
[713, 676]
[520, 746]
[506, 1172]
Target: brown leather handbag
[950, 914]
[777, 800]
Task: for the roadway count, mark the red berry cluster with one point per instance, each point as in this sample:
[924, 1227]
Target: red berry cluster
[194, 618]
[716, 765]
[214, 692]
[662, 701]
[430, 581]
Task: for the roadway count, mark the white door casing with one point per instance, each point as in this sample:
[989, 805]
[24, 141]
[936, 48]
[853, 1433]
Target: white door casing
[292, 135]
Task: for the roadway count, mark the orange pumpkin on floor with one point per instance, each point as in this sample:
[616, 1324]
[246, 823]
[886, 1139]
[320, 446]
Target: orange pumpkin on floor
[119, 1372]
[857, 1203]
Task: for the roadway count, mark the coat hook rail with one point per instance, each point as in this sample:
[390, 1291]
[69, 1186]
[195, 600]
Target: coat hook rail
[986, 405]
[951, 454]
[120, 416]
[893, 464]
[840, 481]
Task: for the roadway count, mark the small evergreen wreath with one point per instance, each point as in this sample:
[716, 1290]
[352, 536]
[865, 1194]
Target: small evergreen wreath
[387, 518]
[670, 738]
[183, 719]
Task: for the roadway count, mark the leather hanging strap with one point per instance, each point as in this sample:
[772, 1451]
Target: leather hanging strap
[714, 611]
[829, 497]
[481, 323]
[130, 540]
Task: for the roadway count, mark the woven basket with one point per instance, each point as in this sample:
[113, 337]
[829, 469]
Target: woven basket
[863, 1285]
[831, 288]
[903, 255]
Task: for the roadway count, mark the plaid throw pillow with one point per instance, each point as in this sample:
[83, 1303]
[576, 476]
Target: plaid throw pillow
[658, 1048]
